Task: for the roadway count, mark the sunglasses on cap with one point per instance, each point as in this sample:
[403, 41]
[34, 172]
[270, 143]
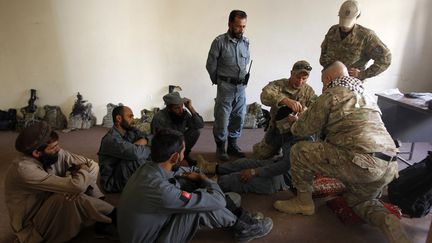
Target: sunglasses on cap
[300, 66]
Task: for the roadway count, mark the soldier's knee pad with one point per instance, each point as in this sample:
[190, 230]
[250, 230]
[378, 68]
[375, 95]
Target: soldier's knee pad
[262, 150]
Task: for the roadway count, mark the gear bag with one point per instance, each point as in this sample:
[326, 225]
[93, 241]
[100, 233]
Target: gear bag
[412, 191]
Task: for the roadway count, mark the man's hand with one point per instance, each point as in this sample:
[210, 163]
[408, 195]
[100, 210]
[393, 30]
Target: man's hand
[294, 105]
[188, 102]
[246, 175]
[292, 118]
[194, 176]
[141, 141]
[354, 72]
[188, 105]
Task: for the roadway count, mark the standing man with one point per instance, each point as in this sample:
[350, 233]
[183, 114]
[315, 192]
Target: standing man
[293, 93]
[123, 149]
[226, 65]
[356, 149]
[354, 45]
[51, 194]
[175, 117]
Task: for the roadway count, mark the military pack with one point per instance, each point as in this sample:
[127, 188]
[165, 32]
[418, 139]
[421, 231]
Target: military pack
[412, 191]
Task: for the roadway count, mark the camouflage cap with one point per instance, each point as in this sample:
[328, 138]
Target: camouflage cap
[348, 13]
[301, 67]
[174, 99]
[33, 137]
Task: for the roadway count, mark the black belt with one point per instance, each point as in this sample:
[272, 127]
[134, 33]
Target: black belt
[231, 80]
[384, 156]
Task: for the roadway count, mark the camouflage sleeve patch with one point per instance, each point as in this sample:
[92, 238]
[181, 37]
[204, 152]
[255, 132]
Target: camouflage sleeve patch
[185, 196]
[377, 51]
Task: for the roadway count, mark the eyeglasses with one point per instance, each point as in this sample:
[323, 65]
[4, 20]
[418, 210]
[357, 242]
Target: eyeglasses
[300, 66]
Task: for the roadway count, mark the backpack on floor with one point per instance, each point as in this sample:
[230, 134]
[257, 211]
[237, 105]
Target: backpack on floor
[412, 191]
[8, 119]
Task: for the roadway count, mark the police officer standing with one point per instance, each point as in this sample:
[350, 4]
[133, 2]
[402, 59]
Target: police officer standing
[226, 65]
[354, 45]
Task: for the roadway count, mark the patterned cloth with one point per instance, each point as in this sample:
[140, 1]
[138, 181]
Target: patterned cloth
[353, 84]
[347, 215]
[325, 186]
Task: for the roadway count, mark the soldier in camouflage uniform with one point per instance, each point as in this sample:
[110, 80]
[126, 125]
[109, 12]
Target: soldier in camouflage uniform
[357, 149]
[294, 93]
[354, 45]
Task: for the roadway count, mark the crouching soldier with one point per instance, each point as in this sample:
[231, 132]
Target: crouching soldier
[156, 207]
[46, 202]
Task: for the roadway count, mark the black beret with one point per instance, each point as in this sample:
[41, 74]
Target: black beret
[33, 137]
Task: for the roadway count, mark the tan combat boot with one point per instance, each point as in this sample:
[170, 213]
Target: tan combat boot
[391, 227]
[205, 166]
[301, 204]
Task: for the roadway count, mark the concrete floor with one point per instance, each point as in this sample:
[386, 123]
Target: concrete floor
[324, 226]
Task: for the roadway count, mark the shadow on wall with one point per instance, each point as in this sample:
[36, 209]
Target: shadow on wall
[416, 69]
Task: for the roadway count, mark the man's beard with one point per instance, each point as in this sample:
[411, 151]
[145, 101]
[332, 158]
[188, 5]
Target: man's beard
[177, 119]
[125, 125]
[48, 159]
[236, 35]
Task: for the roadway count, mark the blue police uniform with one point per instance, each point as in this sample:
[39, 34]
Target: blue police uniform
[154, 208]
[226, 65]
[119, 157]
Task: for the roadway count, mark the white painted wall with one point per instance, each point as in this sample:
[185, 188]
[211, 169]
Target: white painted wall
[129, 51]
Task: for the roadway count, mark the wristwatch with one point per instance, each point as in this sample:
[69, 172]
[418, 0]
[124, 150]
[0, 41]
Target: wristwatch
[253, 172]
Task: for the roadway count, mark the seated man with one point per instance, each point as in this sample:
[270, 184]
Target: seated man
[123, 149]
[156, 207]
[45, 203]
[175, 117]
[293, 93]
[356, 149]
[250, 175]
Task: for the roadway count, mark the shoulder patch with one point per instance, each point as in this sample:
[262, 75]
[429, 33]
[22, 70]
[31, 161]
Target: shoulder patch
[185, 196]
[378, 50]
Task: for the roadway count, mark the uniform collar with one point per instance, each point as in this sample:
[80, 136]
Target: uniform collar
[165, 174]
[349, 36]
[117, 131]
[288, 89]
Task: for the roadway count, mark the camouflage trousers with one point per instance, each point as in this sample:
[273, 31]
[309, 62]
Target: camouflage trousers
[363, 175]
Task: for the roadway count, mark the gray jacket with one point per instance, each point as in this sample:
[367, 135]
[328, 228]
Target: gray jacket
[119, 157]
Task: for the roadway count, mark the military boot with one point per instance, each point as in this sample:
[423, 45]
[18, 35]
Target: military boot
[390, 225]
[301, 204]
[247, 230]
[220, 151]
[205, 166]
[233, 149]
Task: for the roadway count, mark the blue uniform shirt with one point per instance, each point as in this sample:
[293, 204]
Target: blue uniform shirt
[228, 57]
[152, 196]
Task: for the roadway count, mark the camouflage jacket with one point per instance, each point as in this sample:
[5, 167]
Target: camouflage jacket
[346, 119]
[360, 46]
[277, 90]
